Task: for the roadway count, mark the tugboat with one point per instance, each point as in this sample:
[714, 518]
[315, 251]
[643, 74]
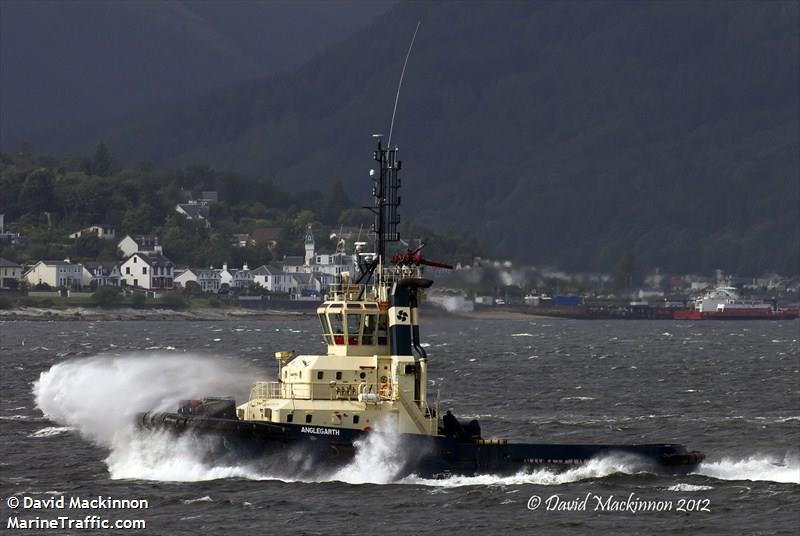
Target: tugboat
[372, 382]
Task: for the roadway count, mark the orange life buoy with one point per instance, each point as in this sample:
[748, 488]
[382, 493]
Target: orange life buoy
[385, 390]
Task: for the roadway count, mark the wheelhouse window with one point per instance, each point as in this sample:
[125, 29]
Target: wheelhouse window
[353, 328]
[369, 327]
[383, 328]
[337, 327]
[326, 328]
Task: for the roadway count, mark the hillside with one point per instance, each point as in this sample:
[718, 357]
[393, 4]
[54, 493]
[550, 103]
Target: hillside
[45, 199]
[564, 133]
[67, 62]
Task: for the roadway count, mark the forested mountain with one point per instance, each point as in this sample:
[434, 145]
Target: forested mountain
[67, 62]
[46, 199]
[571, 133]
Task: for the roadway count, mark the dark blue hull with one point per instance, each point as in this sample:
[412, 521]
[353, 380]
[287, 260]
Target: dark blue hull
[295, 448]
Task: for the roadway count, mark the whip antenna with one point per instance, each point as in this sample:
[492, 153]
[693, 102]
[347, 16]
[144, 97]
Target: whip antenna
[400, 84]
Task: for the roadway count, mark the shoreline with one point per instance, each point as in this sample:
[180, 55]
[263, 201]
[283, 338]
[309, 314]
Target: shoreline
[209, 314]
[91, 314]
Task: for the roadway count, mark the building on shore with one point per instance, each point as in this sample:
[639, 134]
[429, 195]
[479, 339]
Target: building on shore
[55, 274]
[10, 274]
[149, 272]
[208, 279]
[147, 244]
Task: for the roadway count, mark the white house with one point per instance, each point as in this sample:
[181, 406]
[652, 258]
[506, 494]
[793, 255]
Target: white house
[335, 264]
[102, 274]
[104, 232]
[207, 278]
[10, 274]
[147, 244]
[293, 264]
[274, 279]
[55, 274]
[236, 278]
[150, 272]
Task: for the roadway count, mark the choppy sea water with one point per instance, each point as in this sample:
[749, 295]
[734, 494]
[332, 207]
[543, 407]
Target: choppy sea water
[732, 390]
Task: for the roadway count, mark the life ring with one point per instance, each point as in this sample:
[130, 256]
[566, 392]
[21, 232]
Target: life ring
[386, 390]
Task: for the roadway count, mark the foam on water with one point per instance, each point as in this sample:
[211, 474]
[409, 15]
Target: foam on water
[765, 468]
[51, 431]
[378, 459]
[689, 487]
[597, 468]
[100, 397]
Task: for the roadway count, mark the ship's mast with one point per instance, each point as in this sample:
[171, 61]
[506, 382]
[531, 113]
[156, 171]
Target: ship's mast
[386, 199]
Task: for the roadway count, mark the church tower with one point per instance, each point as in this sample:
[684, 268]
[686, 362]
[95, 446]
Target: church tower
[309, 241]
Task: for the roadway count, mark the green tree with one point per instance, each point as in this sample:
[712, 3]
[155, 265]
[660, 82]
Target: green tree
[192, 289]
[88, 246]
[137, 300]
[36, 194]
[174, 300]
[102, 163]
[107, 297]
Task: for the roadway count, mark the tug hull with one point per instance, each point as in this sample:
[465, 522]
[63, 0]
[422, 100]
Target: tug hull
[328, 448]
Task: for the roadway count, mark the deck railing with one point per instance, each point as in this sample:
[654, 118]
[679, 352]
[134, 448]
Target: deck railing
[332, 391]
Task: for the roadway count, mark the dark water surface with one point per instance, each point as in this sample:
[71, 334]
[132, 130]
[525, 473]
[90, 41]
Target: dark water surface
[731, 390]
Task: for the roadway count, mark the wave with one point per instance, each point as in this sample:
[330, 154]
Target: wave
[785, 470]
[594, 469]
[689, 487]
[100, 397]
[51, 431]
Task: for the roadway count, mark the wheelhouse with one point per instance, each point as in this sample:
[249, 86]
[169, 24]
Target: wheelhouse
[355, 328]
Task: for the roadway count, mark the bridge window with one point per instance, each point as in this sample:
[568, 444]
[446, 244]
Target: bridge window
[337, 327]
[290, 417]
[383, 328]
[320, 374]
[353, 326]
[326, 329]
[355, 419]
[370, 324]
[308, 418]
[339, 375]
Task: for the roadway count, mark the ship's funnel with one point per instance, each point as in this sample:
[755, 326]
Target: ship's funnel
[400, 320]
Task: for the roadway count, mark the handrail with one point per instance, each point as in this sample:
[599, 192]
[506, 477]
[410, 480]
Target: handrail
[421, 413]
[307, 390]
